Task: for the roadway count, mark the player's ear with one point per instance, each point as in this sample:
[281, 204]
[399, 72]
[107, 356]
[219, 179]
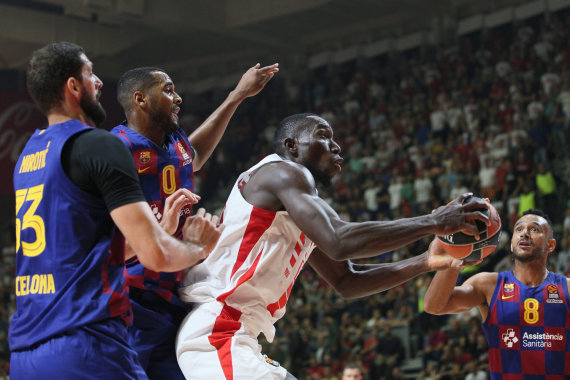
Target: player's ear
[139, 99]
[550, 246]
[73, 87]
[291, 145]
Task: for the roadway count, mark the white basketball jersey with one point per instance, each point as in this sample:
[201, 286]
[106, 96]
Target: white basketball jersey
[255, 263]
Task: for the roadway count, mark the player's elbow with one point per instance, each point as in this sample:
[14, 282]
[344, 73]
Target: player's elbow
[154, 257]
[336, 250]
[432, 308]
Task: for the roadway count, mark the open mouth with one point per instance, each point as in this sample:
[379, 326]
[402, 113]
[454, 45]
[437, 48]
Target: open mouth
[525, 244]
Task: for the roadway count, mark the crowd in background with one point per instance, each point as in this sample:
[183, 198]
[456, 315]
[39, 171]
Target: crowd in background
[487, 113]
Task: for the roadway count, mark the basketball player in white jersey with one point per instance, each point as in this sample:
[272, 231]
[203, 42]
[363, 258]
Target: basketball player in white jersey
[275, 222]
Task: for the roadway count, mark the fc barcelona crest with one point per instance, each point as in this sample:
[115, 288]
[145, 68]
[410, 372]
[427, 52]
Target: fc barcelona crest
[144, 156]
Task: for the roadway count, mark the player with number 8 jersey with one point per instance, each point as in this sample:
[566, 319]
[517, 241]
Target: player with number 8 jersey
[527, 327]
[526, 311]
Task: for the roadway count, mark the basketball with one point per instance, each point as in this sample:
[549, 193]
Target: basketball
[462, 244]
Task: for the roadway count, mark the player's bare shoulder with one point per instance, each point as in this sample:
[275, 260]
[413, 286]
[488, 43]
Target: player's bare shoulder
[484, 282]
[265, 185]
[278, 175]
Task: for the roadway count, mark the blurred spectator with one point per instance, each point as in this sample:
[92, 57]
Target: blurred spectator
[352, 372]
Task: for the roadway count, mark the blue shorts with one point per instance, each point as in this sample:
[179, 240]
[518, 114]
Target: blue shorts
[95, 351]
[153, 337]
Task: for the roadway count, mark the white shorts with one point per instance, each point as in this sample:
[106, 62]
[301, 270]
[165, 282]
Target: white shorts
[213, 343]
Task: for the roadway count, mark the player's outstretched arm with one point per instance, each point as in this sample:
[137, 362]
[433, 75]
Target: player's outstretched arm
[342, 240]
[443, 297]
[359, 280]
[207, 136]
[156, 249]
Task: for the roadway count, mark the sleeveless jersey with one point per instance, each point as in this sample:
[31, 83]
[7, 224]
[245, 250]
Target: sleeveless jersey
[255, 263]
[528, 329]
[70, 267]
[161, 171]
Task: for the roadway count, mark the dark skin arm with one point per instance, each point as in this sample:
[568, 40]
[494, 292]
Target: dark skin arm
[359, 280]
[207, 136]
[341, 240]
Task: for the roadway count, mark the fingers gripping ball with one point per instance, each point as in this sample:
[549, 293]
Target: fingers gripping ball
[462, 245]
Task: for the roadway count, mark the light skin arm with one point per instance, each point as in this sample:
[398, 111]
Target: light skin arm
[443, 297]
[342, 240]
[156, 249]
[207, 136]
[359, 280]
[171, 214]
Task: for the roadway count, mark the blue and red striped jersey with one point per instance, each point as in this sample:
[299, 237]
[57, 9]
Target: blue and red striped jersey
[70, 268]
[528, 329]
[162, 171]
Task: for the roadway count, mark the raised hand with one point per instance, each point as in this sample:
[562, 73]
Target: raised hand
[458, 215]
[203, 229]
[172, 207]
[438, 259]
[254, 79]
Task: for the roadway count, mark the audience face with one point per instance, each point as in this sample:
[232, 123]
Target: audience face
[351, 374]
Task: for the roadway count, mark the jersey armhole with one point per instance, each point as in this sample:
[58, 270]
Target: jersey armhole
[494, 297]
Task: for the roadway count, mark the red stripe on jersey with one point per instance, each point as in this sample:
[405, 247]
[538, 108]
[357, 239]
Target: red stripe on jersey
[226, 325]
[123, 135]
[259, 222]
[247, 275]
[118, 303]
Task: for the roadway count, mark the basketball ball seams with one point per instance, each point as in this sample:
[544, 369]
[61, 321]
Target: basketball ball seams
[463, 245]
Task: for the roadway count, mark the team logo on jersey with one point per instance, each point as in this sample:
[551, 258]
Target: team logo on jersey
[508, 291]
[553, 294]
[509, 338]
[185, 156]
[154, 206]
[271, 361]
[144, 156]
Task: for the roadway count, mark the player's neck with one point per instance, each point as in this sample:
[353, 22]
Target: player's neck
[151, 132]
[66, 113]
[531, 273]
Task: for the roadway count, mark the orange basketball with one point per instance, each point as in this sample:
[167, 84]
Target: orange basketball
[462, 245]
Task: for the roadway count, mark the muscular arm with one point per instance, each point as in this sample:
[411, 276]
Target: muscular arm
[352, 281]
[443, 297]
[156, 249]
[338, 239]
[113, 177]
[207, 136]
[358, 280]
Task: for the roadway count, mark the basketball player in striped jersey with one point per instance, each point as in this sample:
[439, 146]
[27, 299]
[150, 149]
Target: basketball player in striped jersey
[73, 183]
[526, 312]
[275, 222]
[166, 160]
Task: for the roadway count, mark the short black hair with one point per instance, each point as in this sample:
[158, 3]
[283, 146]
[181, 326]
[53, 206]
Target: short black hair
[137, 79]
[539, 213]
[542, 214]
[49, 69]
[288, 128]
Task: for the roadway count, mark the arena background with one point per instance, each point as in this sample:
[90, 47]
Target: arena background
[440, 92]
